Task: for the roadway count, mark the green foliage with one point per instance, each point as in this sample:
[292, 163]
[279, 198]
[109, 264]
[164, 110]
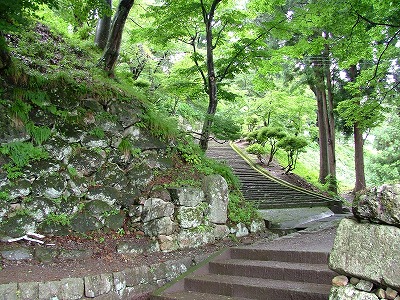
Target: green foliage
[4, 196]
[161, 126]
[72, 171]
[366, 115]
[97, 132]
[225, 128]
[240, 210]
[293, 145]
[210, 166]
[384, 165]
[251, 137]
[251, 122]
[21, 153]
[190, 152]
[14, 13]
[82, 14]
[39, 134]
[58, 219]
[258, 150]
[272, 135]
[20, 110]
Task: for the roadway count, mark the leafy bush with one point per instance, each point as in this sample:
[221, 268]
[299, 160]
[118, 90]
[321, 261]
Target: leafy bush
[293, 145]
[240, 210]
[258, 150]
[272, 135]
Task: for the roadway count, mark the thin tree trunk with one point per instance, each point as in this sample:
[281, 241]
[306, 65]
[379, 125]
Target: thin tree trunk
[111, 52]
[212, 83]
[359, 159]
[319, 91]
[103, 29]
[5, 57]
[360, 183]
[331, 126]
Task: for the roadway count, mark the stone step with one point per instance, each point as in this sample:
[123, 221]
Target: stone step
[278, 270]
[256, 288]
[265, 254]
[190, 295]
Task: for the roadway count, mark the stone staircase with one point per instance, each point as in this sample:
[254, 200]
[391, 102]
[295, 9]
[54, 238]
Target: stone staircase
[262, 189]
[289, 268]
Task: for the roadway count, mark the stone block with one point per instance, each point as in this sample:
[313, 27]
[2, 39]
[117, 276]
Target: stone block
[350, 293]
[49, 290]
[367, 251]
[190, 217]
[133, 247]
[187, 196]
[28, 290]
[217, 195]
[163, 226]
[379, 204]
[155, 208]
[9, 291]
[137, 276]
[97, 285]
[71, 288]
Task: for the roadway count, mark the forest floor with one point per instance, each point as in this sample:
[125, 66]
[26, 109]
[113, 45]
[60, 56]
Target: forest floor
[104, 258]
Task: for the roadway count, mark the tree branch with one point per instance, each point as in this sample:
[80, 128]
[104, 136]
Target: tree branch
[382, 53]
[203, 76]
[375, 23]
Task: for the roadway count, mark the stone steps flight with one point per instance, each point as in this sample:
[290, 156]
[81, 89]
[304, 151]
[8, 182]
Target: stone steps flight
[290, 268]
[263, 190]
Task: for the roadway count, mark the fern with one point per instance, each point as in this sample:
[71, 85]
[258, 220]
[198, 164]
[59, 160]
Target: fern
[21, 153]
[39, 134]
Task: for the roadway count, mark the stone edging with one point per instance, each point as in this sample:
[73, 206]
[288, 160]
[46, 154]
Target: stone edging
[131, 283]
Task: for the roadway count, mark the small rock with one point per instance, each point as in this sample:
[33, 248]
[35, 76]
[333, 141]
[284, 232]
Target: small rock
[365, 286]
[354, 280]
[380, 293]
[391, 294]
[241, 230]
[167, 243]
[340, 280]
[17, 254]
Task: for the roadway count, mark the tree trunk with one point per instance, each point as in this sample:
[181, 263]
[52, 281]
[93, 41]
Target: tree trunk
[359, 159]
[319, 91]
[331, 126]
[103, 29]
[111, 52]
[212, 83]
[324, 171]
[360, 183]
[5, 57]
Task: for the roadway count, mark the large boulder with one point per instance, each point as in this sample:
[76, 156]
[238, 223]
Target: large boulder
[379, 205]
[217, 195]
[367, 251]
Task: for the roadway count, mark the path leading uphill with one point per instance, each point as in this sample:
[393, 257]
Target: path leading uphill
[265, 191]
[290, 267]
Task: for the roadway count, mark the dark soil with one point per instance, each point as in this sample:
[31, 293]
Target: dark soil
[104, 259]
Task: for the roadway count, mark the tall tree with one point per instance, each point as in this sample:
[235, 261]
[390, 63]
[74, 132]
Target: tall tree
[110, 56]
[204, 27]
[103, 28]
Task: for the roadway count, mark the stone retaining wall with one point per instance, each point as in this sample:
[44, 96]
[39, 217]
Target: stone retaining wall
[133, 283]
[366, 249]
